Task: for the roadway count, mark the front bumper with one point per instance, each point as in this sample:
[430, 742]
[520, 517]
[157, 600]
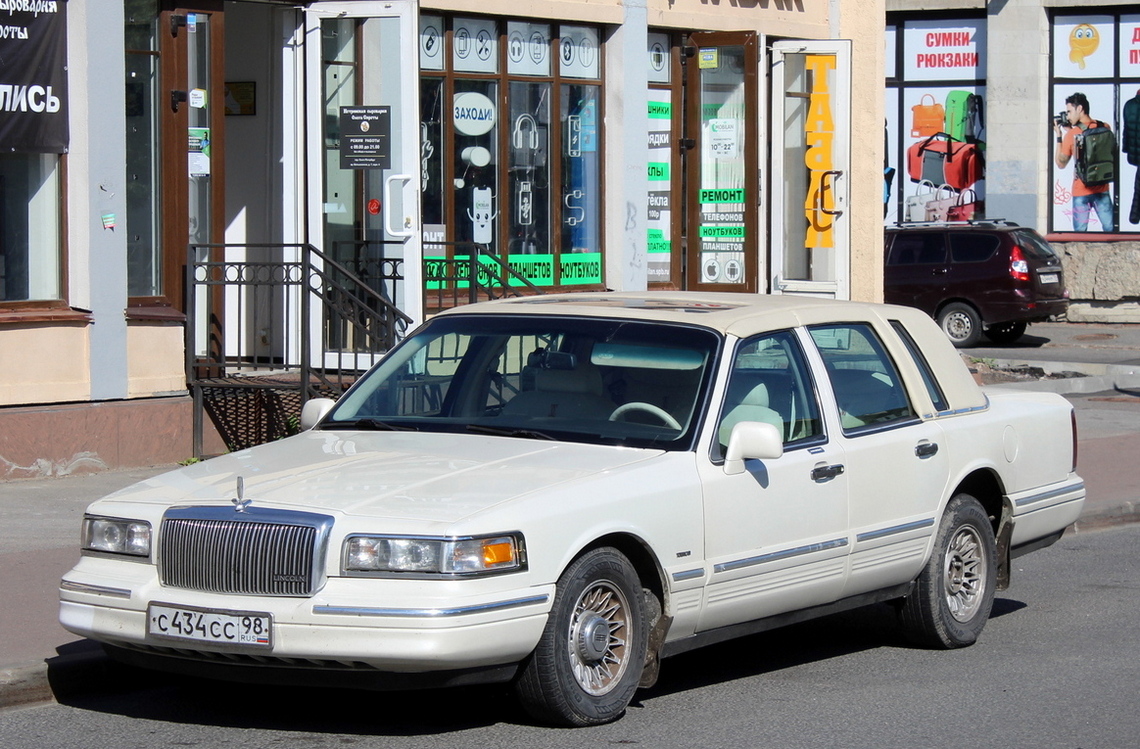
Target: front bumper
[423, 626]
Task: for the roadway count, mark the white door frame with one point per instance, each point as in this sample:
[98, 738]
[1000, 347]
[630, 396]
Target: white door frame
[400, 202]
[833, 178]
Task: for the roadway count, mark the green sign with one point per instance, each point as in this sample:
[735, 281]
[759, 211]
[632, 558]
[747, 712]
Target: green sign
[580, 268]
[722, 196]
[660, 110]
[722, 232]
[658, 171]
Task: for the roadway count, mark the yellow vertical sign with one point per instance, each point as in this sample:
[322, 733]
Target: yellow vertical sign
[819, 135]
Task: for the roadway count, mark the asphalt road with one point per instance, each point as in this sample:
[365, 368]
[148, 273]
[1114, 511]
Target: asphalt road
[1057, 667]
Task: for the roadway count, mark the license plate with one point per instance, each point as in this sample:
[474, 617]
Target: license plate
[245, 628]
[1050, 278]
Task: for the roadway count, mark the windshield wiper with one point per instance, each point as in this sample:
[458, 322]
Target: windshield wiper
[509, 432]
[369, 425]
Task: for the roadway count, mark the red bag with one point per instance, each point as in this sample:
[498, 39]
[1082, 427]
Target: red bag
[962, 163]
[967, 208]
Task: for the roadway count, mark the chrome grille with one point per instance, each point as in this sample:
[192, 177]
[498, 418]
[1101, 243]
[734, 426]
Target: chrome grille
[256, 552]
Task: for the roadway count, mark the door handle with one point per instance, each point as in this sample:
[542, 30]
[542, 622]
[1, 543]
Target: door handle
[926, 449]
[407, 229]
[826, 473]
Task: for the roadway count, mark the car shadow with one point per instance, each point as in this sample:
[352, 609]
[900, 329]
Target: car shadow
[119, 689]
[1026, 341]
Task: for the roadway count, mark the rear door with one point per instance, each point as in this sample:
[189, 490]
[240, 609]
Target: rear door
[897, 466]
[917, 271]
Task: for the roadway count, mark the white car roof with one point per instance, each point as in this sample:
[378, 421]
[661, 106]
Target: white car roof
[744, 315]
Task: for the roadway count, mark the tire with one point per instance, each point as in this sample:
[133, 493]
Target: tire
[1006, 332]
[954, 593]
[961, 324]
[572, 678]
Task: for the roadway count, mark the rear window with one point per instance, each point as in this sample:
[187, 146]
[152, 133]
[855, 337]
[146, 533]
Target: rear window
[972, 247]
[1035, 247]
[916, 248]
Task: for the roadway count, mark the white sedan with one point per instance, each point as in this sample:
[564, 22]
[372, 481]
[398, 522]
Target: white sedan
[559, 491]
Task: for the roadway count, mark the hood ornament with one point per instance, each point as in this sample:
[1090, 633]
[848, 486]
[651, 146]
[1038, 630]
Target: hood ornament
[240, 502]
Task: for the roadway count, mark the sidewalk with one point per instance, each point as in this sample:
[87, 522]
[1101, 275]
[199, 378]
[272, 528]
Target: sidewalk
[40, 518]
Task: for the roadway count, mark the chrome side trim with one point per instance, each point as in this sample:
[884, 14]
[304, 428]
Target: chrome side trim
[687, 575]
[1051, 494]
[959, 411]
[778, 555]
[882, 532]
[97, 590]
[430, 613]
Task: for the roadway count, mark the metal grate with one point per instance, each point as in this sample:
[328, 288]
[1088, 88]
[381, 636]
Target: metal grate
[241, 556]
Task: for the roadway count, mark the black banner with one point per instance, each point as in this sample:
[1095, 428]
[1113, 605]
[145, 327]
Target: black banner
[33, 76]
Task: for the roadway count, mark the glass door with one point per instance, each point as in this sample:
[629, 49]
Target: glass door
[811, 144]
[364, 156]
[723, 168]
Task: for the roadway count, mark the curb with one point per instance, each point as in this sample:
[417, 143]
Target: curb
[84, 669]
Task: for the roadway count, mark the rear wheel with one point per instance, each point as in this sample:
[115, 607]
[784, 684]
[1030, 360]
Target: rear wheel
[961, 324]
[954, 593]
[589, 660]
[1006, 332]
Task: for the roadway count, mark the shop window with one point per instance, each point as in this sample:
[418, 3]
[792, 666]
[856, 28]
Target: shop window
[29, 227]
[33, 135]
[510, 145]
[143, 139]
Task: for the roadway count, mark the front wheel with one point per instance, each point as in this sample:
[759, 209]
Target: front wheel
[589, 660]
[961, 324]
[954, 593]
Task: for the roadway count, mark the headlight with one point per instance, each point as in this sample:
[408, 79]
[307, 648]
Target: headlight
[439, 556]
[116, 536]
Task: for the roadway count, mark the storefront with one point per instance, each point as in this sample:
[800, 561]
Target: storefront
[976, 129]
[691, 144]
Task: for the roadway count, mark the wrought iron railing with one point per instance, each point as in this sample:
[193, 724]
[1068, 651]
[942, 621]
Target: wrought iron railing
[270, 326]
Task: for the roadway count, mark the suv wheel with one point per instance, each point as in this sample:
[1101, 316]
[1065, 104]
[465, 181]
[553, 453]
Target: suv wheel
[961, 324]
[1005, 332]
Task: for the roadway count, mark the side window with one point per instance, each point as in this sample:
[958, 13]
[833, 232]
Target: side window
[867, 385]
[937, 397]
[770, 383]
[917, 248]
[972, 247]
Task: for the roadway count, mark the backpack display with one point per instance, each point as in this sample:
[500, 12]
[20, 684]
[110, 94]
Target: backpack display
[1096, 155]
[964, 116]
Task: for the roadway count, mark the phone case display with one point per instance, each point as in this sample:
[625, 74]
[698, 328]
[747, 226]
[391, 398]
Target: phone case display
[581, 208]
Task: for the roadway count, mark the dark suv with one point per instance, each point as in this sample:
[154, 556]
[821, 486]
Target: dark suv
[991, 277]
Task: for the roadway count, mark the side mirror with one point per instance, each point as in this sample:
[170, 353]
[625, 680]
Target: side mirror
[314, 411]
[751, 440]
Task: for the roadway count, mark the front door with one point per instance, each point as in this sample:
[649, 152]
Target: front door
[722, 168]
[363, 169]
[811, 138]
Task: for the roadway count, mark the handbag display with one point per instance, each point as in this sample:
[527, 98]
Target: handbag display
[967, 207]
[915, 209]
[927, 119]
[938, 207]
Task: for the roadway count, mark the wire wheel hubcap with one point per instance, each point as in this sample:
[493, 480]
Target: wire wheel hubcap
[597, 644]
[965, 574]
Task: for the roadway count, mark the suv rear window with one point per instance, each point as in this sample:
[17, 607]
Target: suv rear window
[1035, 247]
[972, 247]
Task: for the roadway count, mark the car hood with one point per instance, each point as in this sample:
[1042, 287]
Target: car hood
[392, 475]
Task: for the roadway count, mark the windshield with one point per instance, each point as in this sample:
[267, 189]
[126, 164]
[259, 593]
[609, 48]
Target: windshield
[540, 377]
